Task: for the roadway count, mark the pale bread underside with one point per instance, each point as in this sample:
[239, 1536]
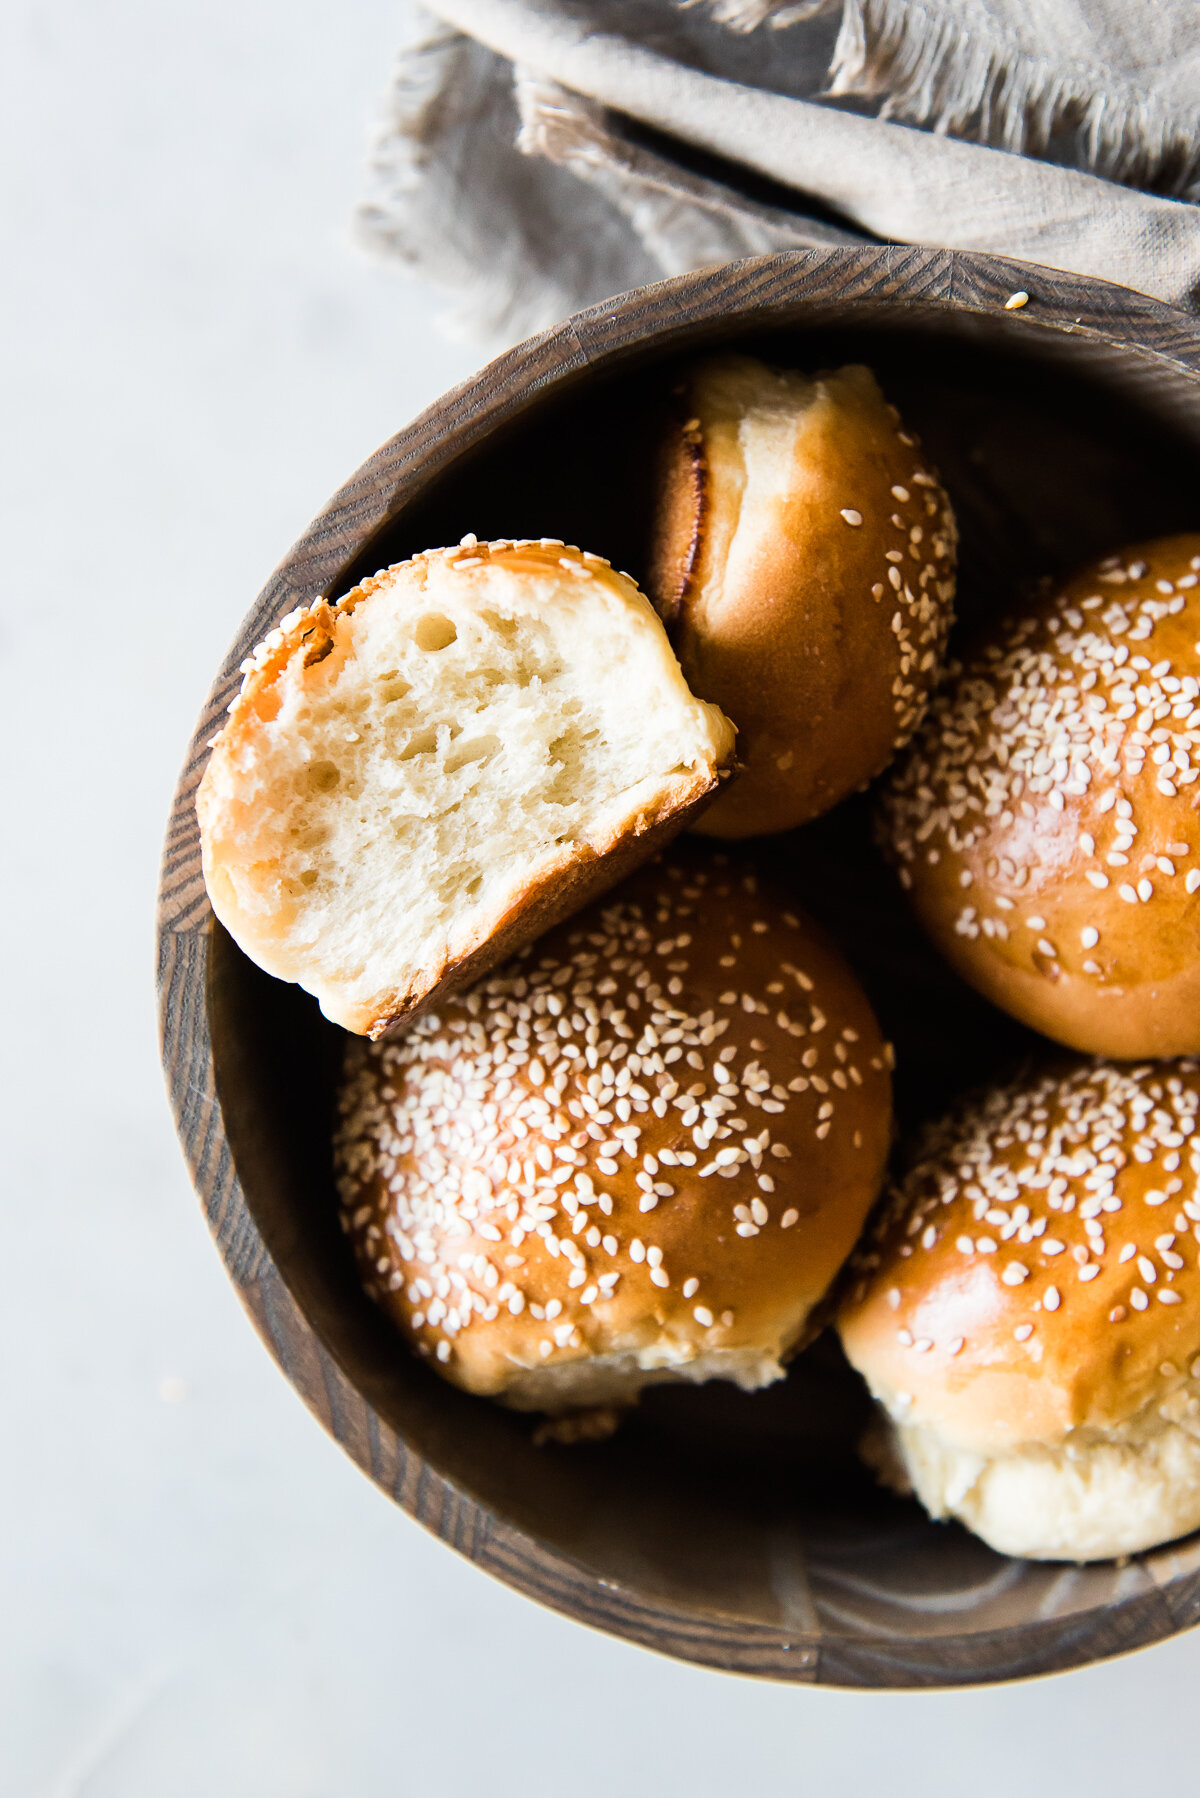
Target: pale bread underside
[1098, 1494]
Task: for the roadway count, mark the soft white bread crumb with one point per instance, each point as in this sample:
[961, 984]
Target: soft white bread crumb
[417, 780]
[1100, 1493]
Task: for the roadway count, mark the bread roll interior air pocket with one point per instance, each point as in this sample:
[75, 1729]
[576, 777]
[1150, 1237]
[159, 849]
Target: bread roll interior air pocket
[418, 779]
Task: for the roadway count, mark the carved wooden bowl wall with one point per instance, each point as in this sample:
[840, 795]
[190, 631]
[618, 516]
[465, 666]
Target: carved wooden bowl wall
[728, 1529]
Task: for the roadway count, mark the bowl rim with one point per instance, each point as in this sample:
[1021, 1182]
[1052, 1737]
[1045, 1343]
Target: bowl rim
[878, 283]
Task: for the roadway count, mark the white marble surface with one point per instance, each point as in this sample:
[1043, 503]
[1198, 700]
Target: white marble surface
[200, 1594]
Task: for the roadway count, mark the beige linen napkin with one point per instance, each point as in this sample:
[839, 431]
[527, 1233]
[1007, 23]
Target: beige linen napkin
[538, 155]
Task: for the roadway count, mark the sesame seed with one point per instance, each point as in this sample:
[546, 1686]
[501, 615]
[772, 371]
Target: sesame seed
[1015, 301]
[1055, 710]
[1052, 1149]
[851, 515]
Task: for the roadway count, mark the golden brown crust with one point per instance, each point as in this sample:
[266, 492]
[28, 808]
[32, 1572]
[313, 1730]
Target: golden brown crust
[1036, 1273]
[681, 486]
[803, 557]
[1045, 818]
[655, 1134]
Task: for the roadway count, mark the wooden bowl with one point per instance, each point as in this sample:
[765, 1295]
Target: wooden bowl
[730, 1529]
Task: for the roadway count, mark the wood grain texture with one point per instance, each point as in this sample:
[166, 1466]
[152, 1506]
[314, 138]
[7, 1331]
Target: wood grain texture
[733, 1531]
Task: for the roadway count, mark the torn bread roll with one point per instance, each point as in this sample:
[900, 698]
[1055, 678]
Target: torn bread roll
[418, 779]
[803, 559]
[1045, 819]
[1027, 1312]
[639, 1152]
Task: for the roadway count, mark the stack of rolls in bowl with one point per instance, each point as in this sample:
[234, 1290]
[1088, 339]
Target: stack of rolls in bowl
[615, 1110]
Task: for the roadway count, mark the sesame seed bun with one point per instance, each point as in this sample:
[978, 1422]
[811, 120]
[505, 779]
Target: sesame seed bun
[803, 559]
[1027, 1311]
[419, 779]
[1045, 818]
[639, 1152]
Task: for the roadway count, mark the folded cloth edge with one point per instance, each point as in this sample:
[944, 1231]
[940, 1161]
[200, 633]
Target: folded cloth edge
[577, 97]
[879, 174]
